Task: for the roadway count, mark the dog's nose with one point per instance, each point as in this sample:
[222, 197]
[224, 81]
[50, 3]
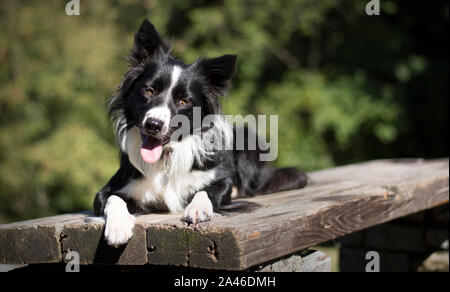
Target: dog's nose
[153, 126]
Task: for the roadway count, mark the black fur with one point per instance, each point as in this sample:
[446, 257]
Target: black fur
[203, 82]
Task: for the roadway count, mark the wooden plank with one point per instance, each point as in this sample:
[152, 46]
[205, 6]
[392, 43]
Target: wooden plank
[337, 202]
[33, 241]
[88, 240]
[47, 240]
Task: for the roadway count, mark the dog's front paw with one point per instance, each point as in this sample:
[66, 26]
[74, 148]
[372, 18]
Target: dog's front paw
[119, 230]
[199, 210]
[119, 223]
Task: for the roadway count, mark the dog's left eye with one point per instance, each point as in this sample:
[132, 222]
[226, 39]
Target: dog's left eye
[149, 91]
[183, 101]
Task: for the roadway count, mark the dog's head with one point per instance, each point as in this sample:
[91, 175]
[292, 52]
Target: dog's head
[158, 87]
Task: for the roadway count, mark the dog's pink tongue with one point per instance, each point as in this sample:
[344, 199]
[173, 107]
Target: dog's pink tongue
[150, 151]
[151, 156]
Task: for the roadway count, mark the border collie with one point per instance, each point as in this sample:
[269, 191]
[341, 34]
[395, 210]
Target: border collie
[161, 173]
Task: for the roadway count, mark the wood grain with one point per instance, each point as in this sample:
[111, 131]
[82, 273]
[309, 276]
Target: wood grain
[338, 201]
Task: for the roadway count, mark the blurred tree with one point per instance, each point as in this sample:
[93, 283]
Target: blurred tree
[55, 140]
[346, 86]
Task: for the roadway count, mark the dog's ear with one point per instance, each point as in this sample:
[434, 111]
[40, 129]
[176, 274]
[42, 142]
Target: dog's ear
[218, 72]
[147, 42]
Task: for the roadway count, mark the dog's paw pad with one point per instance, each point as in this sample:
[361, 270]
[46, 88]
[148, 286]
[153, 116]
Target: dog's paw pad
[199, 210]
[119, 230]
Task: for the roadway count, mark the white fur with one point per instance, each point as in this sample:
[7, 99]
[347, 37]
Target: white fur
[120, 122]
[183, 154]
[120, 128]
[162, 192]
[200, 209]
[162, 112]
[178, 157]
[175, 75]
[234, 192]
[168, 182]
[119, 223]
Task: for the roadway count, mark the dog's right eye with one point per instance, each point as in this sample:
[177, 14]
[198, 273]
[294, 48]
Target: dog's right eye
[149, 91]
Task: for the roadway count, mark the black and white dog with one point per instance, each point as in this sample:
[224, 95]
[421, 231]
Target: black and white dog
[160, 172]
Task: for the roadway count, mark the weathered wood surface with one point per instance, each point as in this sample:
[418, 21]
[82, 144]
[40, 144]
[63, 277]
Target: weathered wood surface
[337, 202]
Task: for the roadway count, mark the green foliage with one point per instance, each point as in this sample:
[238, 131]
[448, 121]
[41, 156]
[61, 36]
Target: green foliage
[311, 106]
[347, 87]
[56, 143]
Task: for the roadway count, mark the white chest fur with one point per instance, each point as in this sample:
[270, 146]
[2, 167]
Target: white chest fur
[167, 184]
[163, 192]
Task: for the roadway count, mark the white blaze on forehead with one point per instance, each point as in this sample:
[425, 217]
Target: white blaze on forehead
[163, 112]
[176, 72]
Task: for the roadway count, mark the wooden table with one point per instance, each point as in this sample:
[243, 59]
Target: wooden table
[338, 201]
